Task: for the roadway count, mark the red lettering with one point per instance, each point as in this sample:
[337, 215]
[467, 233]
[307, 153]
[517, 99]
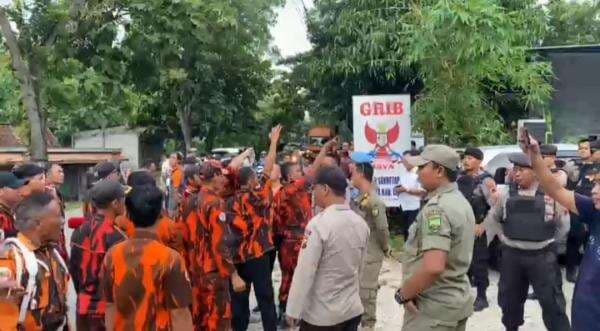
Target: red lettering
[365, 109]
[398, 108]
[379, 108]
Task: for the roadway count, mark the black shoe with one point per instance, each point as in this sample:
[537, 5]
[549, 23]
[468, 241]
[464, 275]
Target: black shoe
[480, 304]
[572, 275]
[532, 296]
[282, 322]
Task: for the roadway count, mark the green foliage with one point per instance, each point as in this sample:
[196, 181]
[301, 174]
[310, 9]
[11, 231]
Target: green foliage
[458, 59]
[466, 51]
[573, 23]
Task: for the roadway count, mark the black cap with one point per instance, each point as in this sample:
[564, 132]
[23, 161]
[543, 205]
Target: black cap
[106, 191]
[333, 177]
[547, 149]
[520, 159]
[474, 152]
[595, 145]
[27, 170]
[104, 169]
[8, 179]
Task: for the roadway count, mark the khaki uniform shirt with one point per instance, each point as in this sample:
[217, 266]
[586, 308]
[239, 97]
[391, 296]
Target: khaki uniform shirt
[325, 287]
[446, 222]
[370, 207]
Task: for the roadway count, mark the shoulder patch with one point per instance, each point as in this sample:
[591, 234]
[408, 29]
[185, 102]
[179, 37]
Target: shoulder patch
[375, 212]
[434, 223]
[222, 217]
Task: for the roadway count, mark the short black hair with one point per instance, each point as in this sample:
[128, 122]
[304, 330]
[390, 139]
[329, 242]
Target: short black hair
[583, 141]
[286, 168]
[451, 174]
[334, 178]
[28, 170]
[144, 205]
[30, 209]
[366, 169]
[189, 171]
[140, 177]
[245, 174]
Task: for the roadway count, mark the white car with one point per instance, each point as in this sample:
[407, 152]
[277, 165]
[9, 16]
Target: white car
[495, 157]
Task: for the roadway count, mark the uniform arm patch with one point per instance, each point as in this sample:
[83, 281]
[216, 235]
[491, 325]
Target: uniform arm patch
[434, 223]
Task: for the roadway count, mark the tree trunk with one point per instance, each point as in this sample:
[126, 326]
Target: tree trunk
[37, 142]
[185, 121]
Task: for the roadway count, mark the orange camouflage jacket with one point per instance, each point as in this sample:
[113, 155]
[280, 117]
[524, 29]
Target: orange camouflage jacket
[146, 280]
[292, 210]
[207, 237]
[48, 306]
[249, 211]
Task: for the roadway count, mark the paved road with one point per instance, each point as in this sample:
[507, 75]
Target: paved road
[389, 313]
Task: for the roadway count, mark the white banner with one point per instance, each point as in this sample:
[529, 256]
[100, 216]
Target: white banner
[382, 128]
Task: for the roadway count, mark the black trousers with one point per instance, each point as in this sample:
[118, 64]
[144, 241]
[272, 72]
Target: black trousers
[349, 325]
[576, 238]
[478, 271]
[538, 268]
[258, 273]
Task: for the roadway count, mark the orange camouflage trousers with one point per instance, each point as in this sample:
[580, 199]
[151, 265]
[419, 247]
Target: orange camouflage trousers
[288, 258]
[211, 307]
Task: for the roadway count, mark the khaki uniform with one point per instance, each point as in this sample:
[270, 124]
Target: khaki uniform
[372, 209]
[326, 285]
[446, 222]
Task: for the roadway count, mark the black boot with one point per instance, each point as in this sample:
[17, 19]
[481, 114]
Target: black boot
[281, 317]
[572, 274]
[480, 304]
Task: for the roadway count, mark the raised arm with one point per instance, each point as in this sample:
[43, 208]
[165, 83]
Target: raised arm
[322, 154]
[237, 161]
[272, 154]
[549, 183]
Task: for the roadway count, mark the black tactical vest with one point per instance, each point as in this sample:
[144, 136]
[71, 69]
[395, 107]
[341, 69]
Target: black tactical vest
[526, 217]
[584, 185]
[468, 186]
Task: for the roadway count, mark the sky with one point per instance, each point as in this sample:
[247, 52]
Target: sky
[289, 33]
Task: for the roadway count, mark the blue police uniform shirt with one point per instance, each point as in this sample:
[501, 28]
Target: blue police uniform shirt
[585, 312]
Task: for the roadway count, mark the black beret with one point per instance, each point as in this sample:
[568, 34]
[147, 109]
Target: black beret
[520, 159]
[28, 170]
[547, 149]
[474, 152]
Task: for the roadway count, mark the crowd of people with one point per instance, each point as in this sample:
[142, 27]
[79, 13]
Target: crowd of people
[184, 250]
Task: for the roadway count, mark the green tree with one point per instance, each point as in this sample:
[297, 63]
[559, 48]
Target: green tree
[202, 61]
[573, 23]
[458, 59]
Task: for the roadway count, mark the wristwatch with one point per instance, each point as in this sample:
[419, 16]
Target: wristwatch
[400, 299]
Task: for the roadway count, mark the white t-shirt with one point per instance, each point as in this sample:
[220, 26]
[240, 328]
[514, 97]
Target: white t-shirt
[410, 181]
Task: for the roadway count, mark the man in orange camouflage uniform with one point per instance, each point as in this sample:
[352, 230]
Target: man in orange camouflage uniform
[292, 211]
[31, 261]
[206, 240]
[166, 229]
[89, 244]
[188, 203]
[250, 208]
[144, 282]
[10, 196]
[35, 176]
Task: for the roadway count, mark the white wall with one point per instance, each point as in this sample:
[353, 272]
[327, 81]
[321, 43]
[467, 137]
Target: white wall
[128, 142]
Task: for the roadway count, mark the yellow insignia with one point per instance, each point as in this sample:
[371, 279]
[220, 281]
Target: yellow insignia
[375, 212]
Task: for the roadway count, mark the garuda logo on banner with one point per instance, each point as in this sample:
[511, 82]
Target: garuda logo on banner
[382, 130]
